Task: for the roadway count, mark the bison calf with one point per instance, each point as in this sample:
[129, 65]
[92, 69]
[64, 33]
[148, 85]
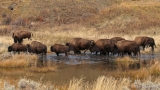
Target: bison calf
[58, 48]
[37, 47]
[17, 47]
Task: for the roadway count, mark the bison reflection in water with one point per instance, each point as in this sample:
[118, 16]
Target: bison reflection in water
[17, 47]
[41, 62]
[18, 36]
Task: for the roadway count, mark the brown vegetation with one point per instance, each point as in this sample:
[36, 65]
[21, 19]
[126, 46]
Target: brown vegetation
[57, 21]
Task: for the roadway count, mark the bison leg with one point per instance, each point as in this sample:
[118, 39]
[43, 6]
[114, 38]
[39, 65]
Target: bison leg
[152, 49]
[96, 52]
[77, 51]
[20, 40]
[143, 47]
[103, 51]
[15, 40]
[66, 53]
[57, 54]
[85, 51]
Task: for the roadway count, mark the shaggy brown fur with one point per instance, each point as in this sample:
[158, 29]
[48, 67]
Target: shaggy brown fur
[58, 48]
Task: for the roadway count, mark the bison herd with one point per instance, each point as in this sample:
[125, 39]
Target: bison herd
[115, 45]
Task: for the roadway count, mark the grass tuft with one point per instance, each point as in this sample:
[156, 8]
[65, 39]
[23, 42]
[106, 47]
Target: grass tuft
[18, 60]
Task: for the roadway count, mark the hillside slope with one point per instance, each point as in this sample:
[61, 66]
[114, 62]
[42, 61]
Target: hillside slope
[112, 15]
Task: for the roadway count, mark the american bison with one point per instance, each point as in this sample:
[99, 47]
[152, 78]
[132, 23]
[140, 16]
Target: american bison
[106, 46]
[17, 47]
[94, 49]
[37, 47]
[145, 41]
[18, 36]
[58, 48]
[77, 44]
[128, 47]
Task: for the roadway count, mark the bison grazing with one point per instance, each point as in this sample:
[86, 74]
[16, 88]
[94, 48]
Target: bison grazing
[145, 41]
[17, 47]
[106, 46]
[37, 47]
[128, 47]
[18, 36]
[58, 48]
[77, 44]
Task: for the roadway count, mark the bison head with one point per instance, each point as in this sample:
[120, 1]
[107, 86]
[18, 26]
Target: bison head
[9, 48]
[52, 49]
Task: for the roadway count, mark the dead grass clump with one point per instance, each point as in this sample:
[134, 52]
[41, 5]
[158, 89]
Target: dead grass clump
[102, 83]
[155, 69]
[110, 83]
[21, 60]
[75, 84]
[43, 69]
[142, 74]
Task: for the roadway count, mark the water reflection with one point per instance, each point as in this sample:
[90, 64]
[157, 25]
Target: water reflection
[42, 61]
[87, 65]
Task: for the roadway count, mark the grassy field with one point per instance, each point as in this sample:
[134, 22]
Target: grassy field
[57, 21]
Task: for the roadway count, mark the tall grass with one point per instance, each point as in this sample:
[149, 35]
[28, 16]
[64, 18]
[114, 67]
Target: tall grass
[102, 83]
[18, 60]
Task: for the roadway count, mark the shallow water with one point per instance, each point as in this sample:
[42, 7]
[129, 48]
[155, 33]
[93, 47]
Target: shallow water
[88, 66]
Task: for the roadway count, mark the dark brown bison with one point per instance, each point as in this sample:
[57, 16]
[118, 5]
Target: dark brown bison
[77, 44]
[58, 48]
[18, 36]
[106, 46]
[128, 47]
[145, 41]
[17, 47]
[37, 47]
[94, 49]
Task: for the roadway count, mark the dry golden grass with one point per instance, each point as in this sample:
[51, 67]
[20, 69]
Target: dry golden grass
[102, 83]
[155, 68]
[43, 69]
[18, 60]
